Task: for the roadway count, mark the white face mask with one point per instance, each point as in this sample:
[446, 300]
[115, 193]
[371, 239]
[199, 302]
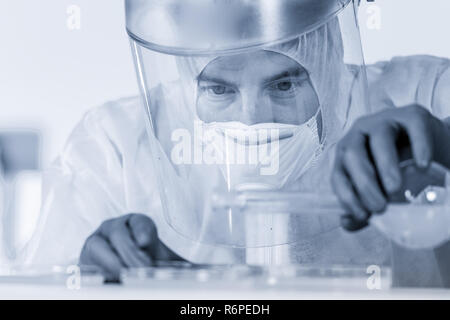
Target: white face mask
[263, 156]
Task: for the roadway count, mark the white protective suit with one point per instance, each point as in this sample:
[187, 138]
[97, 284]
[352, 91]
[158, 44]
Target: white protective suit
[105, 169]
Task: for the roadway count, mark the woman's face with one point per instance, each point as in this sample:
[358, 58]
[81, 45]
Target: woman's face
[252, 88]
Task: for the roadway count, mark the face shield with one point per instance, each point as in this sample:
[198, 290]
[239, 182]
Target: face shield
[243, 96]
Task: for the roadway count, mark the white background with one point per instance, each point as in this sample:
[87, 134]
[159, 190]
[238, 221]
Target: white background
[50, 75]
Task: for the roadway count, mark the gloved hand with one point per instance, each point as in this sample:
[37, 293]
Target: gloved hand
[366, 170]
[125, 242]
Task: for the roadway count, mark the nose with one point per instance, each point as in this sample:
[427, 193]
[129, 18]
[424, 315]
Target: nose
[254, 109]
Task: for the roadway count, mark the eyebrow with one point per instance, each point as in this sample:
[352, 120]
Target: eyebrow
[202, 77]
[292, 72]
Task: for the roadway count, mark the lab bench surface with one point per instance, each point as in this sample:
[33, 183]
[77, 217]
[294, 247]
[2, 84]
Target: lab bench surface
[116, 291]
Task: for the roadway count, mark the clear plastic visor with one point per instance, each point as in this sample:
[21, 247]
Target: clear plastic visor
[262, 119]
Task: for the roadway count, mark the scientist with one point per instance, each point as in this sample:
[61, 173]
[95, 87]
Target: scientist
[102, 197]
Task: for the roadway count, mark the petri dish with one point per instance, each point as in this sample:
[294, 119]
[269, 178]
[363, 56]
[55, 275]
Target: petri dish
[289, 277]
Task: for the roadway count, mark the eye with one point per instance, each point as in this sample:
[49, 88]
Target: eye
[218, 90]
[284, 85]
[285, 88]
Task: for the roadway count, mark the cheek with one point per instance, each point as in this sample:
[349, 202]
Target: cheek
[308, 105]
[286, 115]
[202, 111]
[296, 110]
[209, 111]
